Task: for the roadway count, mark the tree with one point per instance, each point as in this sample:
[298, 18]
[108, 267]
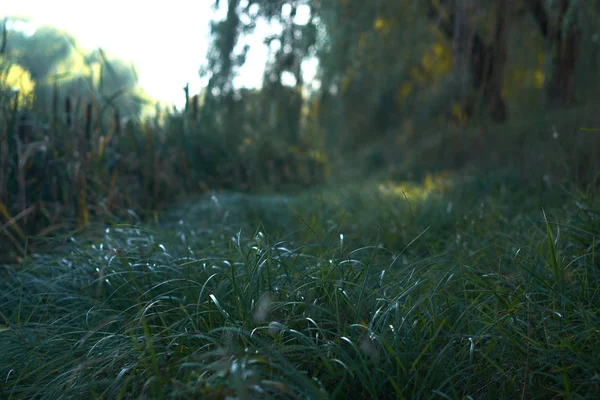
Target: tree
[13, 77]
[478, 64]
[559, 24]
[40, 52]
[55, 62]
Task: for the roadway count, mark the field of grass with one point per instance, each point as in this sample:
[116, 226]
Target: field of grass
[453, 288]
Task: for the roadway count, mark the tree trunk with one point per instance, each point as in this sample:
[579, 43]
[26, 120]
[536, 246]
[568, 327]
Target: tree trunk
[563, 43]
[462, 35]
[560, 90]
[478, 67]
[495, 64]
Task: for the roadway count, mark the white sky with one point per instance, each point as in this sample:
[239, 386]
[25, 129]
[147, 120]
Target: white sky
[167, 41]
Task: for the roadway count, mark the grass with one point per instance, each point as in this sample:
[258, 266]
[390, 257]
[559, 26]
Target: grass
[76, 159]
[454, 288]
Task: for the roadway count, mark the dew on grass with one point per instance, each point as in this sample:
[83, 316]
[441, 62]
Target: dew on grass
[237, 239]
[258, 389]
[67, 263]
[8, 375]
[284, 249]
[134, 215]
[351, 261]
[140, 241]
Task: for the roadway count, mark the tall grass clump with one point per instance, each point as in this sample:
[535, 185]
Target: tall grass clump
[433, 293]
[77, 159]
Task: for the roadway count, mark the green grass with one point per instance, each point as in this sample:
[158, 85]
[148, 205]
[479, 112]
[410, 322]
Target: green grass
[454, 289]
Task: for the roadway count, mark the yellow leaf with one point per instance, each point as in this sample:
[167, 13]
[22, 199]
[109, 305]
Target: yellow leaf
[539, 78]
[382, 26]
[403, 92]
[18, 78]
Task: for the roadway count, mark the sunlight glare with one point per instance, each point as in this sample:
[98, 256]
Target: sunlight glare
[167, 44]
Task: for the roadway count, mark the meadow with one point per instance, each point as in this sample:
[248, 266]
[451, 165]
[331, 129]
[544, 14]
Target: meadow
[418, 220]
[459, 287]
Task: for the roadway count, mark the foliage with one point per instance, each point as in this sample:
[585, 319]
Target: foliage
[52, 58]
[14, 78]
[389, 70]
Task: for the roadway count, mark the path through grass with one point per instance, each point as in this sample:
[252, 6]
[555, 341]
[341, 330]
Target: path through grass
[445, 290]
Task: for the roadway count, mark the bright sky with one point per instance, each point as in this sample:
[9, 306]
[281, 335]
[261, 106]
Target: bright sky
[167, 41]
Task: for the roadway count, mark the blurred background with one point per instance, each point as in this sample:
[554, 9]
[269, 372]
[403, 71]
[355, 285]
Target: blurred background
[113, 110]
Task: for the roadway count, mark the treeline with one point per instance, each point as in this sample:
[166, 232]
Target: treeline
[45, 59]
[433, 83]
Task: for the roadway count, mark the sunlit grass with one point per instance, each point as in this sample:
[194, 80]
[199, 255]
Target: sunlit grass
[334, 293]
